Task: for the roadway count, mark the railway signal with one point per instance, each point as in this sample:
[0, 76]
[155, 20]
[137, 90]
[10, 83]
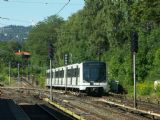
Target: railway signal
[66, 58]
[134, 50]
[50, 51]
[134, 41]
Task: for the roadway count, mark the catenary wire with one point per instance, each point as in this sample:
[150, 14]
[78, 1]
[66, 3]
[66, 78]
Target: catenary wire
[45, 3]
[60, 10]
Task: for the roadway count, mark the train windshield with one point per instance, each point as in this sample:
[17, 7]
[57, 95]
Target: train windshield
[94, 71]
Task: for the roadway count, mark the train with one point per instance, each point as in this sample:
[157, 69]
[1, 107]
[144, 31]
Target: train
[87, 77]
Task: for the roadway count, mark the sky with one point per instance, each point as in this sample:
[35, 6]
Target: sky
[29, 12]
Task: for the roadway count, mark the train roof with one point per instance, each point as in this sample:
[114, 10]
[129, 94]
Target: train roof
[92, 61]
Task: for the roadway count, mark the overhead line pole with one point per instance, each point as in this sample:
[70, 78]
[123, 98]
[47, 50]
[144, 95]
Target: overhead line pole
[9, 79]
[18, 76]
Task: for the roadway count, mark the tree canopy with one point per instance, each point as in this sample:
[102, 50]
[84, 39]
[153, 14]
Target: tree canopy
[101, 31]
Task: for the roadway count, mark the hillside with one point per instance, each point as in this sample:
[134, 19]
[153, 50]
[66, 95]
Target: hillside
[18, 33]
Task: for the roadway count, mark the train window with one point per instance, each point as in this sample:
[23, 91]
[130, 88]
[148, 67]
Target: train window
[61, 74]
[73, 72]
[69, 73]
[52, 74]
[56, 74]
[48, 75]
[76, 72]
[94, 72]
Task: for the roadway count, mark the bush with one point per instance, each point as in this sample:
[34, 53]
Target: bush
[2, 78]
[41, 81]
[145, 88]
[158, 90]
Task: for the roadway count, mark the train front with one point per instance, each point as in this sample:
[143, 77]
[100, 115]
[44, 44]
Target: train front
[94, 77]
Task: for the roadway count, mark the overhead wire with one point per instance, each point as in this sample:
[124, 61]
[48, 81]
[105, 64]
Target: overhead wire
[60, 10]
[20, 20]
[63, 7]
[29, 2]
[3, 24]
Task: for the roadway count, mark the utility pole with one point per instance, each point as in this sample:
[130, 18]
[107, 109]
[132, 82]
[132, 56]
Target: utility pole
[28, 72]
[50, 79]
[25, 55]
[9, 79]
[18, 76]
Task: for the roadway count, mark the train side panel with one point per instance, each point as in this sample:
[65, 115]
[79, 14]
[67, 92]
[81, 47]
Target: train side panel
[75, 76]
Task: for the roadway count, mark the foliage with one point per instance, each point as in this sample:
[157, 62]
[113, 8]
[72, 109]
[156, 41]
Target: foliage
[145, 88]
[39, 38]
[101, 31]
[41, 81]
[158, 90]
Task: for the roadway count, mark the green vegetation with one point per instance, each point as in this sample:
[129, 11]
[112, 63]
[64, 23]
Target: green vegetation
[101, 31]
[145, 88]
[158, 90]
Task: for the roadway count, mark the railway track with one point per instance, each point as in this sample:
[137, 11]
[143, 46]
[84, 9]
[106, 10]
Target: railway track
[84, 103]
[98, 104]
[144, 108]
[25, 104]
[143, 104]
[89, 108]
[120, 107]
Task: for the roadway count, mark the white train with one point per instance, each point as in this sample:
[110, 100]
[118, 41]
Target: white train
[89, 77]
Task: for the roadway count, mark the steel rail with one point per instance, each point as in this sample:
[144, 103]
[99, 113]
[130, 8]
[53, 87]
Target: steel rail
[67, 111]
[131, 108]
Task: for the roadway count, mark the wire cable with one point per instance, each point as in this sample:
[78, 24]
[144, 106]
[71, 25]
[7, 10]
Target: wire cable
[19, 20]
[45, 3]
[62, 7]
[3, 24]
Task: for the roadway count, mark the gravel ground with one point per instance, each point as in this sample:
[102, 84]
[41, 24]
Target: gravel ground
[89, 109]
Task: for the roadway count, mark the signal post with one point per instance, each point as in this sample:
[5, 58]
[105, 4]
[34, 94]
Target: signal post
[66, 59]
[134, 50]
[50, 54]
